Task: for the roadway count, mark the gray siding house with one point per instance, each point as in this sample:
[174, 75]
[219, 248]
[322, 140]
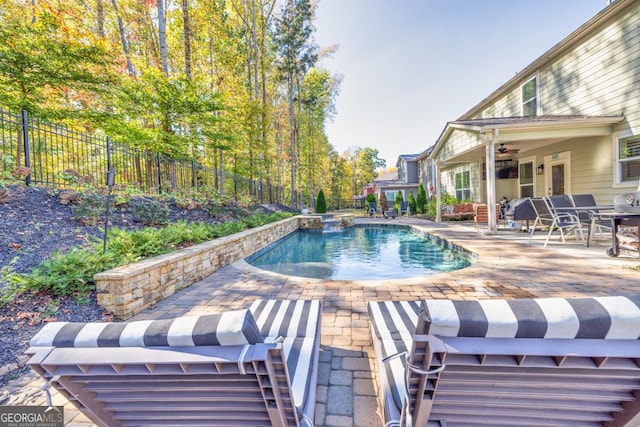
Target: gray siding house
[569, 123]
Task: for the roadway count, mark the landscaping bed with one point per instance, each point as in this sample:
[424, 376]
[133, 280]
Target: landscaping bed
[34, 223]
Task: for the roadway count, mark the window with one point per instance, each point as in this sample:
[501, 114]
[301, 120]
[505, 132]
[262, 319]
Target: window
[526, 179]
[629, 159]
[530, 97]
[463, 186]
[391, 196]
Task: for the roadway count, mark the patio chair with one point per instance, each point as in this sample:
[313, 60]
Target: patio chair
[542, 214]
[564, 222]
[481, 214]
[373, 210]
[404, 207]
[527, 362]
[256, 366]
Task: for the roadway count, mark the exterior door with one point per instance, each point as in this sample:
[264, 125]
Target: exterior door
[557, 173]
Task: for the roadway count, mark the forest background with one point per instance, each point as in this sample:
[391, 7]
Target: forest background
[230, 84]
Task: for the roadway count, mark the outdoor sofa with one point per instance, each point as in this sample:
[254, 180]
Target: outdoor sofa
[249, 367]
[527, 362]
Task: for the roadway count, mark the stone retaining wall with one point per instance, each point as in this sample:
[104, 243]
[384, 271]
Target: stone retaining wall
[126, 291]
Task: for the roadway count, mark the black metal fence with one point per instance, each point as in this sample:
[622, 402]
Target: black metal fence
[56, 156]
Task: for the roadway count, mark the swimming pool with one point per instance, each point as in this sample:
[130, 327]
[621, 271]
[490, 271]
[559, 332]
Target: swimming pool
[360, 253]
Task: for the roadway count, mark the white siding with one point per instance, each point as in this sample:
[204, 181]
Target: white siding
[459, 142]
[600, 76]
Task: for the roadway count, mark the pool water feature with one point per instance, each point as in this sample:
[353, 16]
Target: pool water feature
[360, 253]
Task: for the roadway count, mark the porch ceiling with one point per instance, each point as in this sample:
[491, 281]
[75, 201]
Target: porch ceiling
[527, 133]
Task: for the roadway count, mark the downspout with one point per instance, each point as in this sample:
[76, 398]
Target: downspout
[491, 137]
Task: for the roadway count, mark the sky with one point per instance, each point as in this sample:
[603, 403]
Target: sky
[410, 66]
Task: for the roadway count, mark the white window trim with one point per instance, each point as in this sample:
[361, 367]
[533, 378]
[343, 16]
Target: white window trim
[531, 159]
[522, 101]
[615, 140]
[469, 189]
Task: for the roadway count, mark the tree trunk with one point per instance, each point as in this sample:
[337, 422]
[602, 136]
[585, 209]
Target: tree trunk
[123, 39]
[292, 138]
[186, 35]
[100, 18]
[162, 38]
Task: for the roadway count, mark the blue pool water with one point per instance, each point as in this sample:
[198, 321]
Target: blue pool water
[359, 253]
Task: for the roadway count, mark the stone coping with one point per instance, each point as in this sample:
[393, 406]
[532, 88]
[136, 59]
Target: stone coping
[128, 290]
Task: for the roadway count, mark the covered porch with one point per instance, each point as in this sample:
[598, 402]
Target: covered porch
[531, 156]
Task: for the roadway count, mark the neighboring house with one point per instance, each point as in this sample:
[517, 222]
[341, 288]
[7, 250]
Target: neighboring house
[569, 123]
[404, 180]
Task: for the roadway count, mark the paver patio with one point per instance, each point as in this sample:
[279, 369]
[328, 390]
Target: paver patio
[507, 267]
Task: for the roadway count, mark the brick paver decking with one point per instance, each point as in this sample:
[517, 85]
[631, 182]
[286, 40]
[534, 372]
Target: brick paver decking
[507, 267]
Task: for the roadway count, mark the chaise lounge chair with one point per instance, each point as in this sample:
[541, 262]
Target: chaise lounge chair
[528, 362]
[246, 367]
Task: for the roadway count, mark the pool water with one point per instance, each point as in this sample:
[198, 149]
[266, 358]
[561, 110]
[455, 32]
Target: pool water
[359, 253]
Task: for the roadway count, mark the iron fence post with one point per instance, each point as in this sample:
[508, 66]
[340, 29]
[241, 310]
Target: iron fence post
[193, 174]
[27, 150]
[159, 175]
[110, 178]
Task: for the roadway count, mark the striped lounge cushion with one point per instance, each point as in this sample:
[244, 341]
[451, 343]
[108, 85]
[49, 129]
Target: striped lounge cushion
[287, 318]
[394, 319]
[615, 317]
[229, 328]
[393, 325]
[298, 322]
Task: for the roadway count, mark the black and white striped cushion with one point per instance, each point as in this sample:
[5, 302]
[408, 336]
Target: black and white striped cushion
[298, 322]
[287, 318]
[229, 328]
[394, 319]
[615, 317]
[394, 323]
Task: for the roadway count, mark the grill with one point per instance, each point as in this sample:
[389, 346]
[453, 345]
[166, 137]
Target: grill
[627, 203]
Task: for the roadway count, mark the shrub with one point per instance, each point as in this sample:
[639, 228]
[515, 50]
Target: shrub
[71, 273]
[384, 204]
[412, 204]
[149, 211]
[321, 203]
[421, 201]
[445, 199]
[88, 207]
[398, 201]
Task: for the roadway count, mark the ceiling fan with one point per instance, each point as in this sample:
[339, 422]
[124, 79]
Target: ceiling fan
[504, 150]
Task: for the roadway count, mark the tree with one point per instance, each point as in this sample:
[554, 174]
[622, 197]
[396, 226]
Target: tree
[421, 201]
[364, 162]
[412, 204]
[45, 68]
[297, 54]
[384, 203]
[338, 180]
[321, 203]
[398, 201]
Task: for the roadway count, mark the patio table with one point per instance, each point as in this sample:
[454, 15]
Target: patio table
[593, 212]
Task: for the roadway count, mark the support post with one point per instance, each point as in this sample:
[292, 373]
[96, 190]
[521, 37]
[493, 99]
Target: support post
[436, 175]
[490, 169]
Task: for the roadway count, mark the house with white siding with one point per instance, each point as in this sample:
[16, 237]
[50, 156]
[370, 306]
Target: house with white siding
[568, 123]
